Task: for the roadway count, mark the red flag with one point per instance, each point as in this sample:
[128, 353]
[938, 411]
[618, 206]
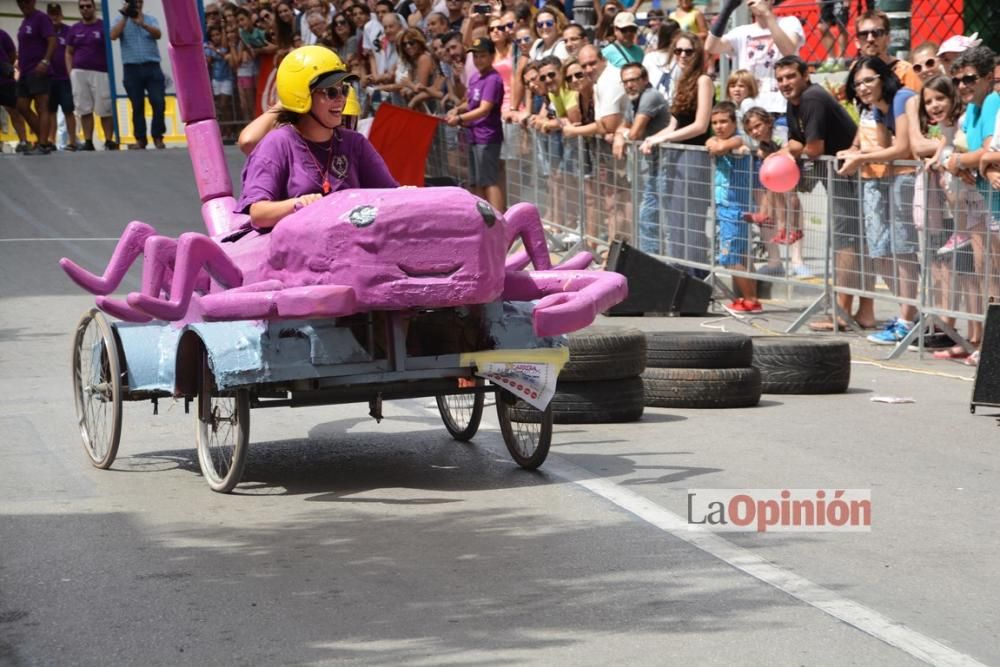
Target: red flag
[403, 138]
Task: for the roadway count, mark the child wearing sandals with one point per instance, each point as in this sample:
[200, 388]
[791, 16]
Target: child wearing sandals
[778, 215]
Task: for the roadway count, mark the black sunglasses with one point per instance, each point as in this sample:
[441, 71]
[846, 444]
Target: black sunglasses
[575, 76]
[931, 63]
[681, 51]
[968, 79]
[524, 40]
[876, 33]
[340, 22]
[333, 92]
[548, 77]
[410, 42]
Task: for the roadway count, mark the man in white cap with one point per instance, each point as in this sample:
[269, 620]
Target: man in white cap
[624, 50]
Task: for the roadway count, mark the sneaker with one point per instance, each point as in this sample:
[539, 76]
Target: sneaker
[956, 241]
[137, 146]
[72, 148]
[87, 146]
[772, 270]
[49, 148]
[794, 237]
[754, 307]
[736, 308]
[159, 143]
[22, 147]
[37, 149]
[111, 145]
[893, 332]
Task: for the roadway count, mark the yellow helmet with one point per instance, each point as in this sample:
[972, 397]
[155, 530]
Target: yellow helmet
[351, 106]
[301, 70]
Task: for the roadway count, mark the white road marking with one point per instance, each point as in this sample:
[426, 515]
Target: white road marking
[857, 615]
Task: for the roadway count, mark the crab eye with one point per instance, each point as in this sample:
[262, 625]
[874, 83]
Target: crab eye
[489, 215]
[362, 216]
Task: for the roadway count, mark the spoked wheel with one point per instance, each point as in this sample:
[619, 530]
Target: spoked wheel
[461, 413]
[527, 441]
[97, 384]
[223, 432]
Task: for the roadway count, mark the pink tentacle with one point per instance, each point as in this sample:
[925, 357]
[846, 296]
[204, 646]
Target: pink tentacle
[129, 247]
[193, 252]
[570, 300]
[524, 221]
[121, 310]
[517, 261]
[577, 262]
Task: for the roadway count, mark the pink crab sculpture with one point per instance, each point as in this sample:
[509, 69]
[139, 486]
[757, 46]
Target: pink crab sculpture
[353, 251]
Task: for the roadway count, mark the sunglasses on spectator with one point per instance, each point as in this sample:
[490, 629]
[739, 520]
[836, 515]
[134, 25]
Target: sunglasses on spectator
[683, 52]
[333, 92]
[575, 76]
[866, 82]
[931, 63]
[545, 24]
[410, 42]
[968, 79]
[496, 27]
[507, 26]
[551, 76]
[876, 33]
[630, 28]
[340, 22]
[524, 40]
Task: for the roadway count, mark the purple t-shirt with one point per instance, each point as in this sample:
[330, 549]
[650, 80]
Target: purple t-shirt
[87, 40]
[57, 70]
[284, 165]
[7, 51]
[486, 88]
[33, 40]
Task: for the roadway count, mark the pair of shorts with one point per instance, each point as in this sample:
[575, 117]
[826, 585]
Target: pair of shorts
[222, 87]
[61, 95]
[91, 92]
[33, 85]
[834, 12]
[889, 231]
[734, 236]
[246, 82]
[484, 165]
[8, 94]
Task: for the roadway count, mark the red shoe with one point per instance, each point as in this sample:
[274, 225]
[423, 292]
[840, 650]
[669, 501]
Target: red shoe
[752, 307]
[759, 219]
[737, 307]
[779, 238]
[794, 237]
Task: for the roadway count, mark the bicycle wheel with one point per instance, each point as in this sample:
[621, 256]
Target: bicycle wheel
[97, 385]
[223, 432]
[527, 441]
[461, 413]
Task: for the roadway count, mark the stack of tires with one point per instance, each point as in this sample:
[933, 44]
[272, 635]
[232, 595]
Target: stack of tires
[601, 382]
[700, 370]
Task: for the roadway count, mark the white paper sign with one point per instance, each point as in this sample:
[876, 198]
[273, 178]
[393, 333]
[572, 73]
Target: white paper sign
[533, 382]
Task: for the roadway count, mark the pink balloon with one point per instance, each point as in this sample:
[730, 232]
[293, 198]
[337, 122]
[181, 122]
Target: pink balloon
[779, 173]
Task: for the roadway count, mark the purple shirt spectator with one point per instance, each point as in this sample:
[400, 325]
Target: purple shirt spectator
[284, 165]
[33, 40]
[7, 52]
[485, 88]
[87, 40]
[57, 70]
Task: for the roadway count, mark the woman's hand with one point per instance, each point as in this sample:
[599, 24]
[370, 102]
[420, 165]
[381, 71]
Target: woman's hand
[648, 145]
[852, 162]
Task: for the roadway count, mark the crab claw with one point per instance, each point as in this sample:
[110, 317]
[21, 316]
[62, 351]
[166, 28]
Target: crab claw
[121, 310]
[130, 246]
[570, 300]
[577, 262]
[524, 221]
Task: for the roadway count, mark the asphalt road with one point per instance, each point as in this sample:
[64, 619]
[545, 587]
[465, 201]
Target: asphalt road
[356, 542]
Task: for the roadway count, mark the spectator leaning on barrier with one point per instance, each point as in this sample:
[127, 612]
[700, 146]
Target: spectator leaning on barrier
[757, 46]
[887, 190]
[609, 97]
[141, 64]
[953, 47]
[87, 63]
[646, 113]
[818, 125]
[60, 91]
[36, 42]
[481, 115]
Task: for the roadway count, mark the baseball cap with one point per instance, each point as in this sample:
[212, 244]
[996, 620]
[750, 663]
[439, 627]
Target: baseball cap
[625, 20]
[482, 45]
[54, 8]
[959, 43]
[332, 79]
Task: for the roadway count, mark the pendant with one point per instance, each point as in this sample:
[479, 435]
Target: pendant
[326, 186]
[339, 166]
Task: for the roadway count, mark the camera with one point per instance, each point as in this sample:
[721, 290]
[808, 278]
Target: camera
[131, 9]
[482, 9]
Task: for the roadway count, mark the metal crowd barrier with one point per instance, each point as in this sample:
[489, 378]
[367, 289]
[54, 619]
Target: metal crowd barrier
[824, 240]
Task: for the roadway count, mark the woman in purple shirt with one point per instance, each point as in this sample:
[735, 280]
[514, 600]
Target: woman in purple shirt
[309, 155]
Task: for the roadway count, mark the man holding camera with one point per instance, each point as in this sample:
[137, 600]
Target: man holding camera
[138, 33]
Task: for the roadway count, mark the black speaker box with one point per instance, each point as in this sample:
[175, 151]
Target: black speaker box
[653, 287]
[986, 390]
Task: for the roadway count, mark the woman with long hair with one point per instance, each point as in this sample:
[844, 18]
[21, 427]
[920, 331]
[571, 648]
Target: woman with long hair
[549, 25]
[520, 95]
[503, 57]
[283, 26]
[416, 66]
[343, 38]
[660, 64]
[688, 172]
[604, 33]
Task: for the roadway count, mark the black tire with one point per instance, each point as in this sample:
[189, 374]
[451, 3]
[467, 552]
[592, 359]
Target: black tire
[527, 440]
[702, 387]
[606, 402]
[461, 414]
[709, 349]
[98, 368]
[223, 433]
[802, 364]
[604, 353]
